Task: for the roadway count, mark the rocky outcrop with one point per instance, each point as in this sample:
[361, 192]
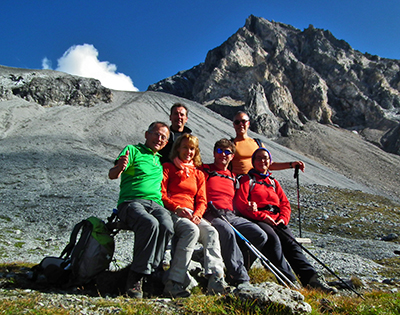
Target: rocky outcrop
[284, 76]
[50, 88]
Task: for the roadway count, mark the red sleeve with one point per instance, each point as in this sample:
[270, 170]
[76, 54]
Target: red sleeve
[284, 204]
[200, 200]
[168, 202]
[241, 201]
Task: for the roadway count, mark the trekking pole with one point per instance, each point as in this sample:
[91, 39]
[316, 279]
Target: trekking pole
[296, 175]
[264, 260]
[282, 228]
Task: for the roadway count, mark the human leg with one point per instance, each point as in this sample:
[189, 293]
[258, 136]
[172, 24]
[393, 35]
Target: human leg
[273, 251]
[186, 235]
[165, 231]
[295, 256]
[235, 270]
[213, 262]
[252, 232]
[136, 216]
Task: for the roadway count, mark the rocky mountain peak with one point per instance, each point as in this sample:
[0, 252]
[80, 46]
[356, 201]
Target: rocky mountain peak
[284, 76]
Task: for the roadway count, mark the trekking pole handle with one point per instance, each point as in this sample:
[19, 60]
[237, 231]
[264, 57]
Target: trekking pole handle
[296, 171]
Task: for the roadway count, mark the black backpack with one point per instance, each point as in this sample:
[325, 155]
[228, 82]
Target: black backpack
[80, 261]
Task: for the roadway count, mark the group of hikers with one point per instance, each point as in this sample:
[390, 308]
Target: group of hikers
[168, 195]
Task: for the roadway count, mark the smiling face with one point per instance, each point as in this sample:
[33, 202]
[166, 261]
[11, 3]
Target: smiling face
[222, 157]
[241, 123]
[157, 138]
[186, 150]
[261, 161]
[178, 118]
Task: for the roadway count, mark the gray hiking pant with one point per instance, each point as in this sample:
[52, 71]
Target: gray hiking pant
[188, 234]
[153, 228]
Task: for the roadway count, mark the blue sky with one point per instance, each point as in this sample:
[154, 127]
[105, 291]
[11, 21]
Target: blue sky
[137, 43]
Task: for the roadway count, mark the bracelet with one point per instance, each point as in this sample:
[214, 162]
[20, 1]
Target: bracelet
[290, 164]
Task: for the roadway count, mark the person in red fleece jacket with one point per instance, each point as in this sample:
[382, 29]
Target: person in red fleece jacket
[184, 194]
[262, 199]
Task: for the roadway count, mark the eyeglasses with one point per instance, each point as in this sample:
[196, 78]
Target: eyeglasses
[243, 121]
[159, 135]
[262, 158]
[220, 151]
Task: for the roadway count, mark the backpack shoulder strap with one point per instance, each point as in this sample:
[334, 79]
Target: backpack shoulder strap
[253, 182]
[258, 141]
[72, 240]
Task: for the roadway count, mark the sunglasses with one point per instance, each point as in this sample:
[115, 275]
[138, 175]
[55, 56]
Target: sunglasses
[220, 151]
[243, 121]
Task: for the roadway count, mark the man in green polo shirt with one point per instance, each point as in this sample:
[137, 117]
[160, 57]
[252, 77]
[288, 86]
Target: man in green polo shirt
[140, 206]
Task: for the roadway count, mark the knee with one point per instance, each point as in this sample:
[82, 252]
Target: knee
[150, 223]
[186, 229]
[167, 224]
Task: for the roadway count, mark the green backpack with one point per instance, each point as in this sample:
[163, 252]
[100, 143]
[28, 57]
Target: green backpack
[81, 261]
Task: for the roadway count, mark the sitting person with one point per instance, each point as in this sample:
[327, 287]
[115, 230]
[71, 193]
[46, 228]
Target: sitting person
[184, 194]
[261, 199]
[140, 206]
[221, 186]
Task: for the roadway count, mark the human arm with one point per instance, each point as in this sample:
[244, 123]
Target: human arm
[284, 206]
[278, 166]
[200, 199]
[120, 165]
[169, 203]
[247, 207]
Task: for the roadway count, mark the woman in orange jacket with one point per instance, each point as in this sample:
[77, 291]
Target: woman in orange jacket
[184, 194]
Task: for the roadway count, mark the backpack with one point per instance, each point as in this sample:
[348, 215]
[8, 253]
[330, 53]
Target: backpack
[80, 261]
[235, 180]
[253, 182]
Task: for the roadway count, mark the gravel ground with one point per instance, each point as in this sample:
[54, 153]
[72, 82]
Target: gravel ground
[54, 164]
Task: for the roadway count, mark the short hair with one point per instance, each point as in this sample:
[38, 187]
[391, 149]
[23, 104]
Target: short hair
[192, 140]
[241, 112]
[176, 105]
[225, 144]
[154, 124]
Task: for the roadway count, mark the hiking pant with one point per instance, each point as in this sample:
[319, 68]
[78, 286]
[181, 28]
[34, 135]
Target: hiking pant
[153, 228]
[281, 246]
[187, 234]
[231, 253]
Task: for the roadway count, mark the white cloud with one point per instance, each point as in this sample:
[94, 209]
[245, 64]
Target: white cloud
[46, 63]
[82, 60]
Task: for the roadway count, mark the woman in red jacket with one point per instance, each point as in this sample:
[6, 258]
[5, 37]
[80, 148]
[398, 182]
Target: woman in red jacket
[262, 199]
[184, 194]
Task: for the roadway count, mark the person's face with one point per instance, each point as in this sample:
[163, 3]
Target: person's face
[222, 157]
[178, 118]
[241, 123]
[186, 151]
[261, 161]
[157, 138]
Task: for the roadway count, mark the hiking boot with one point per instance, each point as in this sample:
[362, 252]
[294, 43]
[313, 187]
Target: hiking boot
[217, 285]
[316, 282]
[134, 285]
[175, 290]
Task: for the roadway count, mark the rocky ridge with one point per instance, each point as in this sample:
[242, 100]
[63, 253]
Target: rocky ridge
[285, 77]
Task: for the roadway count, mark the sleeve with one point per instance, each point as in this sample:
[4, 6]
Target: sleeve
[284, 204]
[241, 201]
[200, 202]
[168, 202]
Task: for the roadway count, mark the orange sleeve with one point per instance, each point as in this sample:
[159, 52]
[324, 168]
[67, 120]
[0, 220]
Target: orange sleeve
[168, 202]
[200, 202]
